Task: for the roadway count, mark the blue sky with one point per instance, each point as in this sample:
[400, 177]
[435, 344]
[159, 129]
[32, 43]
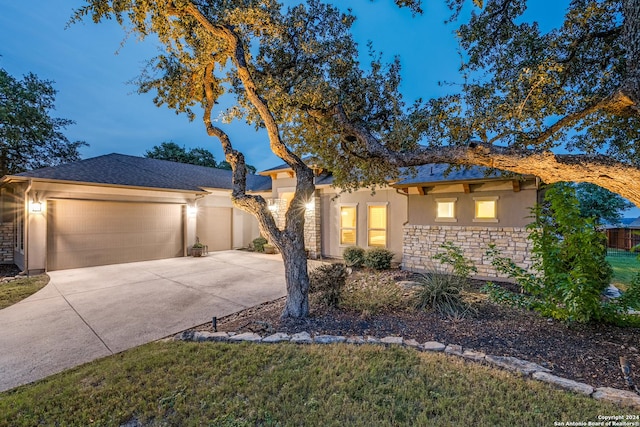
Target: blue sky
[91, 69]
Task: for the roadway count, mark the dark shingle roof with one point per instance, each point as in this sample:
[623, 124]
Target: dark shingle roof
[437, 172]
[119, 169]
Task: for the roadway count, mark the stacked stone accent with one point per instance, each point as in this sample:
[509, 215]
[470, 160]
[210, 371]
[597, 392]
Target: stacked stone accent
[623, 398]
[312, 229]
[6, 243]
[422, 242]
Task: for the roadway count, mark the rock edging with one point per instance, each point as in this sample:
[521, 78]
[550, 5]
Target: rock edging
[519, 366]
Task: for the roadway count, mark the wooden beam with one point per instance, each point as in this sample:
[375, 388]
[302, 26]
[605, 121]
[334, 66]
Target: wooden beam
[516, 185]
[466, 187]
[421, 191]
[291, 174]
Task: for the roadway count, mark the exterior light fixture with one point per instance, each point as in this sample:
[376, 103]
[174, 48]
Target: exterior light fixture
[35, 206]
[273, 205]
[192, 210]
[310, 205]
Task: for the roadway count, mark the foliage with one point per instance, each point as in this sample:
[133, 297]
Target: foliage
[19, 289]
[226, 166]
[258, 243]
[442, 292]
[371, 294]
[189, 384]
[29, 137]
[197, 244]
[601, 204]
[328, 281]
[174, 153]
[500, 295]
[569, 255]
[453, 256]
[378, 258]
[353, 256]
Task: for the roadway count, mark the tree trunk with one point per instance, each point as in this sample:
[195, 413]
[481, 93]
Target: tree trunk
[297, 278]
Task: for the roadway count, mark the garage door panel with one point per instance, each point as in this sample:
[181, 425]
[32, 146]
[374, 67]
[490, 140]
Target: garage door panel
[214, 227]
[86, 233]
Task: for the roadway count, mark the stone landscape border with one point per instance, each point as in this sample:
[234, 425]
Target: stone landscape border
[522, 367]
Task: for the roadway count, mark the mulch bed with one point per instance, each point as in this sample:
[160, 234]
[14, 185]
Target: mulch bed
[8, 270]
[587, 353]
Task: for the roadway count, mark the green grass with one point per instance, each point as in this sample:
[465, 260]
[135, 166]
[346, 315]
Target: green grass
[625, 269]
[175, 383]
[17, 290]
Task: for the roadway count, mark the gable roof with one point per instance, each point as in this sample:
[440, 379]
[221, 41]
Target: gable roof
[120, 169]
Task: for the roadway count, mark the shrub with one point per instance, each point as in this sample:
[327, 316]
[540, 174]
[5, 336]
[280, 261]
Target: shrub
[258, 244]
[378, 258]
[353, 256]
[328, 281]
[442, 292]
[370, 294]
[453, 256]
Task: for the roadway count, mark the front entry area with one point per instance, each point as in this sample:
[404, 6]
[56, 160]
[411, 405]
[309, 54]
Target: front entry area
[85, 233]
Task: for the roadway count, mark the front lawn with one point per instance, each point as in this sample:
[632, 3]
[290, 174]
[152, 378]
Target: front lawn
[625, 268]
[17, 290]
[177, 383]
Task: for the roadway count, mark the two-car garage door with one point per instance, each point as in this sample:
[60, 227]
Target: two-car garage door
[82, 233]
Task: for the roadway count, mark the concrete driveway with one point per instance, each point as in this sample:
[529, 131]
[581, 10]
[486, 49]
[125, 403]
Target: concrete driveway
[87, 313]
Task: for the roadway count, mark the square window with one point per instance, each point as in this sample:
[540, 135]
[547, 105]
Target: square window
[446, 210]
[486, 209]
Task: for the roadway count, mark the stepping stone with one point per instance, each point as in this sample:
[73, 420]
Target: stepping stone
[433, 346]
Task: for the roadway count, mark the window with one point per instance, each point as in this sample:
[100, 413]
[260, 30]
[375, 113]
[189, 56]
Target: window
[377, 229]
[348, 224]
[446, 210]
[486, 209]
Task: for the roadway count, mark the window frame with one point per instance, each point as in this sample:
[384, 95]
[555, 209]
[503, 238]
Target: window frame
[340, 227]
[386, 226]
[453, 218]
[493, 199]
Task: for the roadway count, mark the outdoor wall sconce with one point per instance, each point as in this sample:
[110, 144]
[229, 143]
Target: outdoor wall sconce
[35, 206]
[272, 205]
[310, 205]
[192, 211]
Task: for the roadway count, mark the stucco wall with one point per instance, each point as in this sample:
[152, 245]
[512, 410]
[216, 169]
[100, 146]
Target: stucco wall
[396, 217]
[422, 242]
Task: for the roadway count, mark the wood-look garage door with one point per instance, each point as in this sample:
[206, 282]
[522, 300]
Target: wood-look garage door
[84, 233]
[214, 227]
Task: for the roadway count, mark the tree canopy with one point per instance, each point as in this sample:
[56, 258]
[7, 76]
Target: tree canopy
[173, 152]
[29, 137]
[601, 204]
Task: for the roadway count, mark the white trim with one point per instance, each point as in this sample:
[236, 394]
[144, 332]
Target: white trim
[486, 199]
[453, 200]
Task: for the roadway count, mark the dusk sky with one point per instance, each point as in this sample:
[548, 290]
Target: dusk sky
[90, 70]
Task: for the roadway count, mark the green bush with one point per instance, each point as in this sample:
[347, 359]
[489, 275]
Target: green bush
[371, 294]
[453, 256]
[353, 256]
[328, 282]
[258, 244]
[442, 292]
[378, 258]
[569, 263]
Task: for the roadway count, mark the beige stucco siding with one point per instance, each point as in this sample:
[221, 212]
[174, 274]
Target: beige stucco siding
[396, 217]
[513, 208]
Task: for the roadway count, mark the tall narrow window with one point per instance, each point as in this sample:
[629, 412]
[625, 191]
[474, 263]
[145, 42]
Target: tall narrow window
[348, 225]
[377, 229]
[486, 209]
[446, 210]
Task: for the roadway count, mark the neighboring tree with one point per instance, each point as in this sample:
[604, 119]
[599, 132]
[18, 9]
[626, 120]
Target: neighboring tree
[29, 137]
[601, 204]
[575, 88]
[226, 165]
[174, 153]
[272, 61]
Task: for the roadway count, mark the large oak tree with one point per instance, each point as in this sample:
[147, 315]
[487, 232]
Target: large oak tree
[271, 60]
[527, 96]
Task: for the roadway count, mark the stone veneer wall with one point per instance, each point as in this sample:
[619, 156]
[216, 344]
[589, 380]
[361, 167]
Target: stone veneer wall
[312, 224]
[422, 242]
[6, 243]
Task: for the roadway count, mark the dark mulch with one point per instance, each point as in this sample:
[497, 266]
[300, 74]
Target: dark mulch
[8, 270]
[588, 353]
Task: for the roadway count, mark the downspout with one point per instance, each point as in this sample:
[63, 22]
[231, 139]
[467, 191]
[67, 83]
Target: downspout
[26, 227]
[402, 193]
